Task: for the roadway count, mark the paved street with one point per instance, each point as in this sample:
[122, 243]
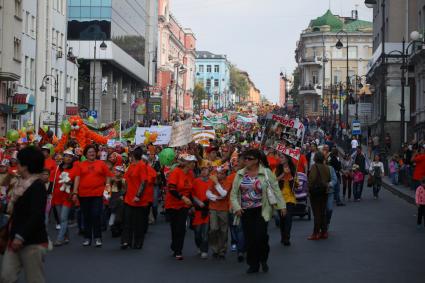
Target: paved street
[371, 241]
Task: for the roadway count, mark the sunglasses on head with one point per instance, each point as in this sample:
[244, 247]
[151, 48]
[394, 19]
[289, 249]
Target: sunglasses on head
[250, 158]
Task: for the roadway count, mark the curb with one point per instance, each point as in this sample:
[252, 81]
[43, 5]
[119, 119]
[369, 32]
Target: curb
[401, 195]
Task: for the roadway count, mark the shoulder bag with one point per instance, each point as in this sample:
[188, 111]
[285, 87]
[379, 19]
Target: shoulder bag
[319, 188]
[270, 193]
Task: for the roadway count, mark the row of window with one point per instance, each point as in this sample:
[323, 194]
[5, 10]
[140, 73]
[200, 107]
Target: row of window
[28, 76]
[89, 2]
[208, 85]
[29, 24]
[209, 67]
[58, 40]
[88, 12]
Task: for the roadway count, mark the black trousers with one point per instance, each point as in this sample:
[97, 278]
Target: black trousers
[421, 214]
[177, 218]
[256, 237]
[135, 220]
[91, 208]
[318, 205]
[286, 223]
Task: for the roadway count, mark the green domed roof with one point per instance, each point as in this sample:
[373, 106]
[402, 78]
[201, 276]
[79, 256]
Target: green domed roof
[328, 19]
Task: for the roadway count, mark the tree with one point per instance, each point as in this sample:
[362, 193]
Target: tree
[296, 85]
[199, 94]
[238, 83]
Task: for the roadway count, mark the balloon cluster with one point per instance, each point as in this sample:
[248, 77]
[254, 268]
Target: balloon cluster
[167, 156]
[150, 137]
[24, 134]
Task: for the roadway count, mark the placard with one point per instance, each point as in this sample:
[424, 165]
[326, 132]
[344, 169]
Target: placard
[202, 136]
[164, 134]
[181, 133]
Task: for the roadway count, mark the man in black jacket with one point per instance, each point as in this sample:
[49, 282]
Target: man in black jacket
[359, 159]
[28, 234]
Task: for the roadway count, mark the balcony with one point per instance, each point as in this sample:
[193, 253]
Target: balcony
[309, 61]
[312, 89]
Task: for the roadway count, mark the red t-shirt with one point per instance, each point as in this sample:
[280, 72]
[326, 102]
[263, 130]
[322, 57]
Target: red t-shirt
[301, 164]
[419, 172]
[200, 188]
[61, 197]
[50, 164]
[273, 162]
[133, 177]
[149, 177]
[184, 185]
[93, 176]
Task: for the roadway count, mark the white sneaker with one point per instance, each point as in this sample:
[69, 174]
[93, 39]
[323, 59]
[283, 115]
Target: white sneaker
[204, 255]
[234, 248]
[58, 226]
[98, 243]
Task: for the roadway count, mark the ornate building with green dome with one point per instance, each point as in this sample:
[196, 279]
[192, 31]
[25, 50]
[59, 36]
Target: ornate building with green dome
[323, 67]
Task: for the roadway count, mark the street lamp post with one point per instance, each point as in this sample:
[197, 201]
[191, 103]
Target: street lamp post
[340, 45]
[102, 46]
[43, 89]
[148, 96]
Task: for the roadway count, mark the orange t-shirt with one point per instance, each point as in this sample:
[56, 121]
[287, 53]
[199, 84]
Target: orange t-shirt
[200, 188]
[149, 176]
[222, 204]
[93, 176]
[301, 164]
[184, 185]
[273, 162]
[50, 164]
[61, 197]
[419, 172]
[133, 178]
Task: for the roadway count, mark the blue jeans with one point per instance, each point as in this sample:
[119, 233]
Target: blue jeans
[236, 234]
[394, 178]
[64, 214]
[336, 193]
[201, 237]
[357, 190]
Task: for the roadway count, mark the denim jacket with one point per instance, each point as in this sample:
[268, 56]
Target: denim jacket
[267, 209]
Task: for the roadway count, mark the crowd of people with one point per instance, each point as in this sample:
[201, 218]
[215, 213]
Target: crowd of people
[235, 185]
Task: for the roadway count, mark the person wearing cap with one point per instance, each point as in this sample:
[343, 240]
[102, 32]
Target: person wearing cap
[136, 202]
[61, 198]
[201, 216]
[177, 201]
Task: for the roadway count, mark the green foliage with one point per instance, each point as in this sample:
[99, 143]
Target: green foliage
[238, 83]
[296, 84]
[199, 94]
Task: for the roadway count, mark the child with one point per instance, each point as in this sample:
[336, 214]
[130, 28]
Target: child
[420, 202]
[358, 179]
[394, 169]
[118, 189]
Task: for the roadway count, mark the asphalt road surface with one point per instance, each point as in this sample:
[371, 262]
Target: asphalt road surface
[370, 241]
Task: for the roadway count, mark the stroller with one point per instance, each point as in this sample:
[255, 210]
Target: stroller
[302, 208]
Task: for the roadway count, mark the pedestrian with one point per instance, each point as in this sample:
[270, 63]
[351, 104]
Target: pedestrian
[418, 160]
[347, 176]
[358, 179]
[250, 202]
[28, 240]
[318, 182]
[420, 202]
[116, 204]
[287, 184]
[360, 159]
[354, 144]
[88, 190]
[335, 163]
[177, 201]
[201, 217]
[219, 213]
[387, 142]
[377, 171]
[394, 168]
[135, 203]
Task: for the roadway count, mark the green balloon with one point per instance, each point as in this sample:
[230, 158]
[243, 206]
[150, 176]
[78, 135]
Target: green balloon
[65, 127]
[51, 147]
[83, 158]
[45, 128]
[91, 120]
[166, 156]
[12, 135]
[24, 129]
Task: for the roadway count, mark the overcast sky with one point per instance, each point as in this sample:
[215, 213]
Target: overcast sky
[259, 36]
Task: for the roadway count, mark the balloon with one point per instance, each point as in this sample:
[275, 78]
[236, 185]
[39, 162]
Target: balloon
[153, 137]
[65, 127]
[83, 158]
[45, 128]
[12, 135]
[51, 147]
[166, 156]
[91, 120]
[24, 129]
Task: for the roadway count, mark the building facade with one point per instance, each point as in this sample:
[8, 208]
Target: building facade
[213, 72]
[176, 63]
[116, 43]
[323, 67]
[392, 21]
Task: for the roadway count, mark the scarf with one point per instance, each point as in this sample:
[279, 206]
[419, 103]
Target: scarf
[19, 190]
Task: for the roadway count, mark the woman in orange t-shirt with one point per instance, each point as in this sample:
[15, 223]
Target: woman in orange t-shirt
[177, 201]
[201, 219]
[136, 202]
[90, 185]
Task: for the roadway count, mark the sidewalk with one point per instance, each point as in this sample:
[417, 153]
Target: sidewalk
[399, 190]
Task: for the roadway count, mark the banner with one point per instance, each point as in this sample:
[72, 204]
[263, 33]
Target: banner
[164, 134]
[249, 120]
[292, 152]
[291, 123]
[202, 136]
[181, 133]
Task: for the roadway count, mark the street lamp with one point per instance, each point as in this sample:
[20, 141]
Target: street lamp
[370, 3]
[43, 89]
[340, 45]
[148, 96]
[103, 47]
[180, 69]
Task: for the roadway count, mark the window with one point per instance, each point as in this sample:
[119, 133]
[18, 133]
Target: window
[33, 27]
[208, 68]
[17, 49]
[315, 105]
[352, 52]
[32, 74]
[337, 77]
[57, 39]
[216, 68]
[25, 75]
[53, 37]
[208, 83]
[351, 75]
[18, 9]
[61, 42]
[27, 22]
[315, 77]
[337, 53]
[216, 83]
[201, 68]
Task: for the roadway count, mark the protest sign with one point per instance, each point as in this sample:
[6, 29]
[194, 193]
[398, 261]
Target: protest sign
[181, 133]
[202, 136]
[164, 134]
[292, 152]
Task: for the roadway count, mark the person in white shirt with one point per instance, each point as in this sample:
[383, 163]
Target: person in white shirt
[354, 144]
[377, 172]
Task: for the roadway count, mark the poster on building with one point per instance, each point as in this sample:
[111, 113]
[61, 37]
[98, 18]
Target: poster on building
[181, 133]
[164, 134]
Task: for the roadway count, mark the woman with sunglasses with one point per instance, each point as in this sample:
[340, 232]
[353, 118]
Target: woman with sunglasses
[250, 202]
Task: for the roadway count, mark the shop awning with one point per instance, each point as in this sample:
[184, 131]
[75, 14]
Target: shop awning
[22, 103]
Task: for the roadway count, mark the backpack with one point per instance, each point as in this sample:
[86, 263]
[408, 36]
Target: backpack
[377, 172]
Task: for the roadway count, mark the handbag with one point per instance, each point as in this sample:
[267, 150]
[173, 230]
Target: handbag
[269, 190]
[319, 188]
[370, 180]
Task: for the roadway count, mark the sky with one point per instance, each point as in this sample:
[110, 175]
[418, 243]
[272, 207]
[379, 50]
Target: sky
[258, 36]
